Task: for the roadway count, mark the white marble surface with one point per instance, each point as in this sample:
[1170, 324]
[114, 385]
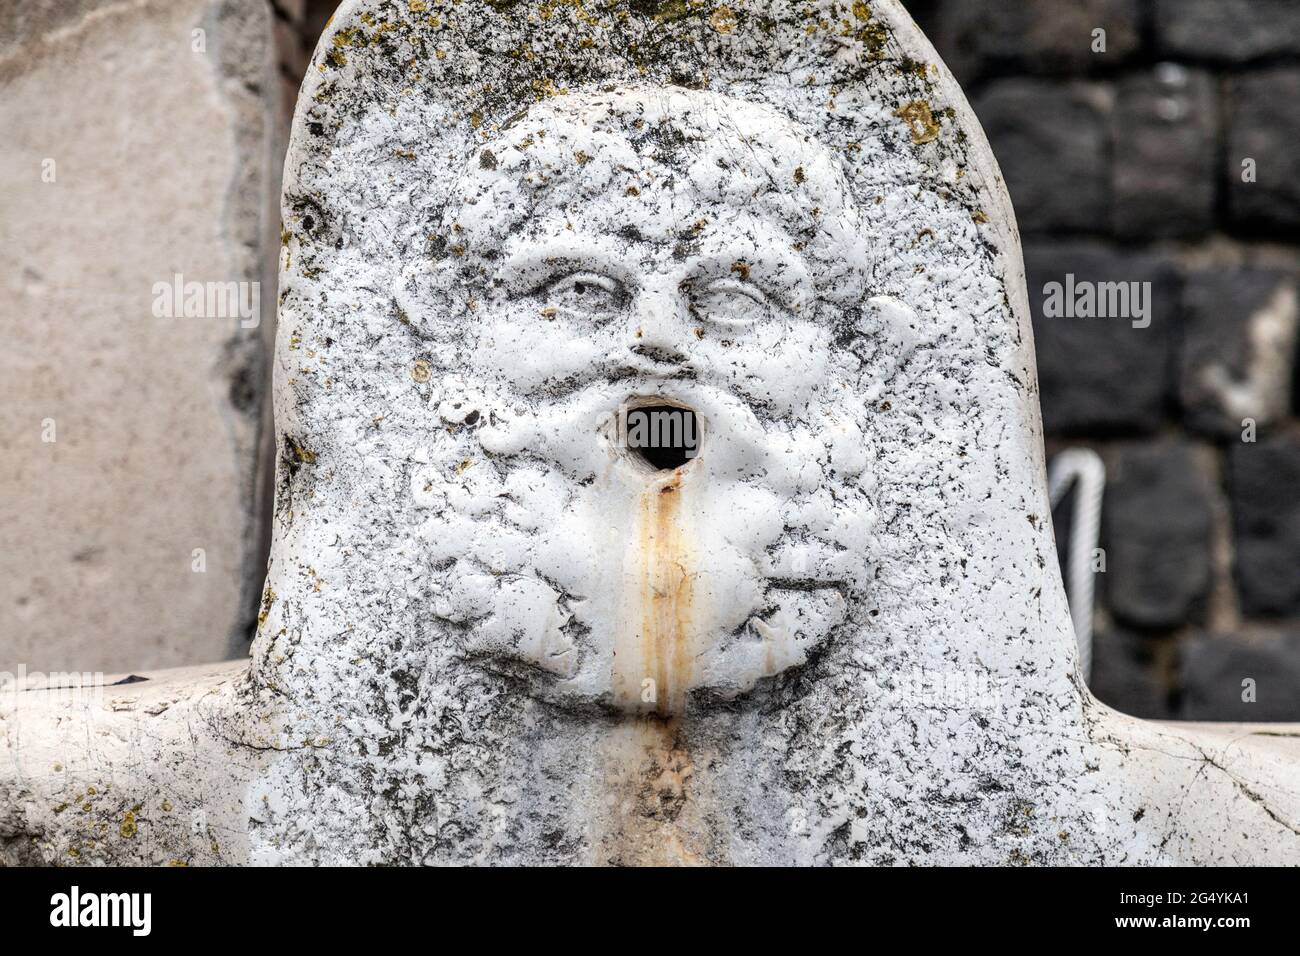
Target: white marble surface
[851, 609]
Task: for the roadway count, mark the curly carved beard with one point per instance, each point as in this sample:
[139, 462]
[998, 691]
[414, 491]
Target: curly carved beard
[699, 252]
[563, 556]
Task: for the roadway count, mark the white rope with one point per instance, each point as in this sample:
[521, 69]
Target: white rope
[1084, 467]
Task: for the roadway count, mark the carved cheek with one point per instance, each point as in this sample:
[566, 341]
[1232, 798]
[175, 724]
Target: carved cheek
[748, 515]
[527, 349]
[567, 553]
[782, 364]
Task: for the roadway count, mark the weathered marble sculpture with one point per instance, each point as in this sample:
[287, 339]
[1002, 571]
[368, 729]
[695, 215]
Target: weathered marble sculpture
[494, 632]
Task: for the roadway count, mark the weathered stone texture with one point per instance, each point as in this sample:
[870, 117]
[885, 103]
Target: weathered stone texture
[161, 165]
[499, 224]
[1196, 87]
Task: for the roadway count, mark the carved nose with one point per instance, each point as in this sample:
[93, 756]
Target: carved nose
[661, 353]
[658, 328]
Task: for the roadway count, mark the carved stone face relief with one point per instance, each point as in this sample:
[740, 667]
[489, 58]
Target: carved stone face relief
[676, 251]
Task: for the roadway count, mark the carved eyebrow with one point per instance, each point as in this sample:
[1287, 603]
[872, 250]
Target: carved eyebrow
[771, 266]
[530, 264]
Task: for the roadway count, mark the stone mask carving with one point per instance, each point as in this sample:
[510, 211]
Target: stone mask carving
[624, 247]
[502, 222]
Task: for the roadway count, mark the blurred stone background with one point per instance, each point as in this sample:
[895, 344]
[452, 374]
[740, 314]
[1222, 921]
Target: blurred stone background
[1124, 165]
[138, 141]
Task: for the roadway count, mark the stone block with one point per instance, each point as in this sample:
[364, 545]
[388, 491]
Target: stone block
[1226, 31]
[1100, 375]
[1263, 126]
[136, 150]
[981, 37]
[1238, 348]
[1051, 141]
[1166, 141]
[1125, 674]
[1264, 478]
[1220, 675]
[1156, 522]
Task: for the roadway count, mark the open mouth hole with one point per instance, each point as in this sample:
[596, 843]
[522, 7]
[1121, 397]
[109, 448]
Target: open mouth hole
[665, 437]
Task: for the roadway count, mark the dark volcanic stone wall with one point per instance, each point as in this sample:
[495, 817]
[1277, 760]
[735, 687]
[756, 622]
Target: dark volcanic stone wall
[1127, 165]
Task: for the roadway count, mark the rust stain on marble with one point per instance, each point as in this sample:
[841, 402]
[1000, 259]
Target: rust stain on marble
[668, 595]
[654, 656]
[654, 817]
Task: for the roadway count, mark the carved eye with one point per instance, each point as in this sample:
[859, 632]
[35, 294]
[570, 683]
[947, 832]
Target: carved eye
[729, 302]
[585, 294]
